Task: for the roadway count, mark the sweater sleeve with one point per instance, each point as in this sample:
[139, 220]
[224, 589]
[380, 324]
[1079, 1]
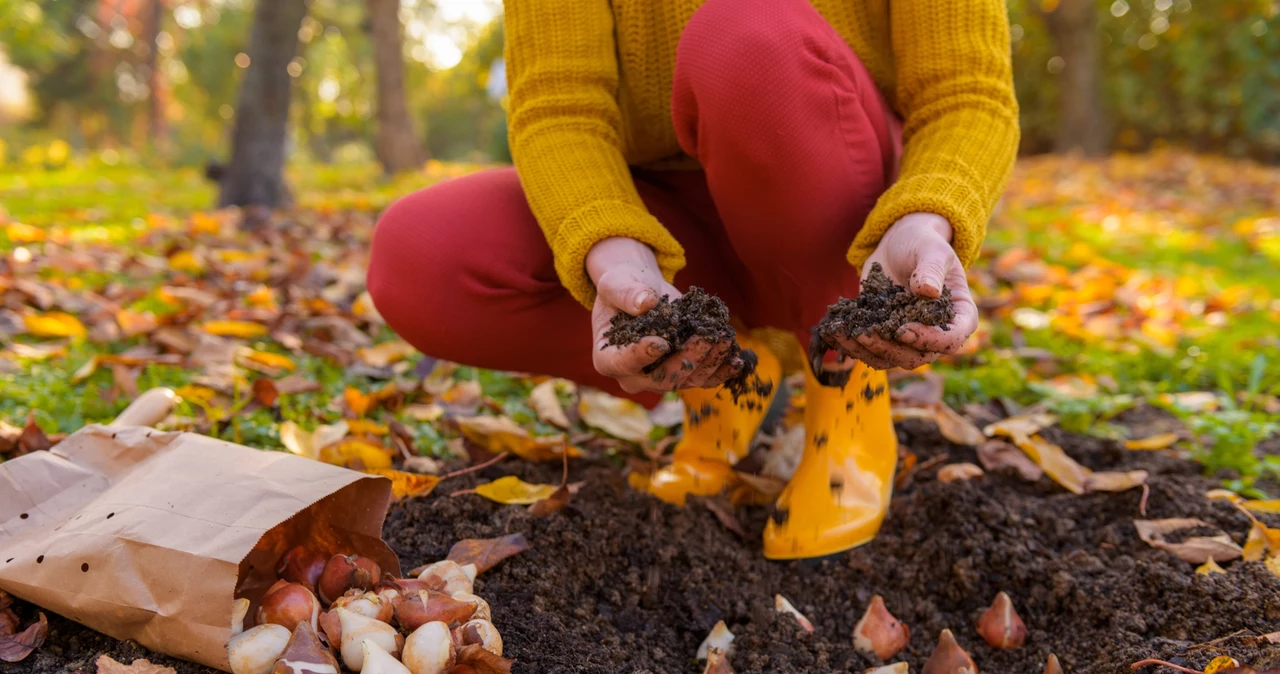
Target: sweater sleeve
[955, 92]
[566, 137]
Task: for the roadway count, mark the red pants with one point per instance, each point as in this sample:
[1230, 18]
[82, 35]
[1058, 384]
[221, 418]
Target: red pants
[796, 144]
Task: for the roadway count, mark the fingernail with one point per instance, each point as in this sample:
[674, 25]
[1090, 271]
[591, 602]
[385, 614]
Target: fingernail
[657, 349]
[907, 336]
[644, 299]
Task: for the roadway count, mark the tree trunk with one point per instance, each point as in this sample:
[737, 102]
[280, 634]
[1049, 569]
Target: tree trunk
[397, 144]
[255, 174]
[158, 98]
[1082, 125]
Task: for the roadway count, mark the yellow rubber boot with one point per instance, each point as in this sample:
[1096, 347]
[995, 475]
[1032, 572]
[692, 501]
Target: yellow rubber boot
[840, 492]
[717, 433]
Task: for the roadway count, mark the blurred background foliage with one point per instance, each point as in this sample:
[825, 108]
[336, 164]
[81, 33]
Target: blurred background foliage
[78, 75]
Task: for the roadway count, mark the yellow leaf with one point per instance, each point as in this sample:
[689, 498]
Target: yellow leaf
[502, 434]
[23, 233]
[359, 402]
[546, 403]
[386, 353]
[186, 261]
[1220, 663]
[511, 490]
[1263, 541]
[262, 297]
[357, 454]
[308, 443]
[366, 427]
[619, 417]
[245, 329]
[404, 485]
[1209, 568]
[1272, 562]
[53, 324]
[1159, 441]
[1020, 427]
[1270, 507]
[265, 361]
[1056, 464]
[133, 324]
[1227, 494]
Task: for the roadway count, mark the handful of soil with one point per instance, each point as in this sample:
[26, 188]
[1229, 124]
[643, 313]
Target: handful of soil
[695, 314]
[881, 308]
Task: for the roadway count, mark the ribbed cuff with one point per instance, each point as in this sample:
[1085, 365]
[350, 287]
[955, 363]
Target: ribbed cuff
[943, 195]
[602, 220]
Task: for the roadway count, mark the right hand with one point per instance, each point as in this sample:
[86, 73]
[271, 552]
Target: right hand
[627, 278]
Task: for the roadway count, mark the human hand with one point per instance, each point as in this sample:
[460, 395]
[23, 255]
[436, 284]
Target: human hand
[916, 252]
[627, 279]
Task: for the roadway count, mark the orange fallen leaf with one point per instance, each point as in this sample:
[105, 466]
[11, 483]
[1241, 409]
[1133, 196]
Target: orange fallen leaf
[1158, 441]
[53, 324]
[265, 361]
[366, 427]
[1221, 663]
[1270, 507]
[485, 553]
[265, 392]
[503, 434]
[553, 503]
[106, 665]
[405, 485]
[358, 401]
[242, 329]
[511, 490]
[357, 454]
[133, 324]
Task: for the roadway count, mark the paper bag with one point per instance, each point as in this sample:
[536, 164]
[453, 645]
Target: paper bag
[148, 535]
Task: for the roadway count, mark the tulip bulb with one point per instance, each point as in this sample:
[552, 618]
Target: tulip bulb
[388, 591]
[424, 607]
[480, 632]
[449, 577]
[288, 604]
[344, 572]
[366, 604]
[462, 669]
[717, 663]
[781, 605]
[239, 611]
[256, 650]
[430, 650]
[480, 607]
[331, 628]
[305, 654]
[1053, 666]
[378, 661]
[356, 629]
[300, 565]
[1001, 626]
[895, 668]
[879, 633]
[949, 658]
[720, 638]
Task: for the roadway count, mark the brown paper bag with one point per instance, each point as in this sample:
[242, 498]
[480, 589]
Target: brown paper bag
[147, 535]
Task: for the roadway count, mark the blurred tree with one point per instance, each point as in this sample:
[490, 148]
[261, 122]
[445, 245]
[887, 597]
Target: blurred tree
[156, 86]
[396, 143]
[255, 174]
[1081, 123]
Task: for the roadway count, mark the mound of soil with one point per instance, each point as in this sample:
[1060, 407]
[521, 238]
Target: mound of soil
[694, 314]
[619, 582]
[882, 307]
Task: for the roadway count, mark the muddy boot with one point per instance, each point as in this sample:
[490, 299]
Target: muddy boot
[840, 492]
[717, 433]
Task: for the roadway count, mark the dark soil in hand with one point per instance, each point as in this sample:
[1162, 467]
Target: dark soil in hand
[694, 314]
[618, 582]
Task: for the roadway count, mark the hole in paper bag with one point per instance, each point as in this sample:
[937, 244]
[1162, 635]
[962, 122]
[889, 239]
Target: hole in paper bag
[40, 559]
[23, 516]
[85, 567]
[110, 515]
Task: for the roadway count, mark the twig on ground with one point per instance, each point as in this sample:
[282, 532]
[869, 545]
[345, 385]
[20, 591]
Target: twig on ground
[1152, 661]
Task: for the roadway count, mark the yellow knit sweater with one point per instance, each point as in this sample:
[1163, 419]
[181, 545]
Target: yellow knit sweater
[586, 105]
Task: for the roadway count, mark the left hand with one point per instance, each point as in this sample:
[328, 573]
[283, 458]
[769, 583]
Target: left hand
[916, 252]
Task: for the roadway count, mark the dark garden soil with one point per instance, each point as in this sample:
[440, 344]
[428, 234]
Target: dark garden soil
[617, 582]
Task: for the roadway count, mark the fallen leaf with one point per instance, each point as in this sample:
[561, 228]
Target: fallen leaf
[483, 661]
[1226, 494]
[366, 427]
[53, 324]
[1020, 427]
[767, 486]
[553, 503]
[297, 383]
[1196, 549]
[16, 647]
[386, 353]
[463, 394]
[106, 665]
[1262, 541]
[1158, 441]
[358, 401]
[668, 413]
[1192, 401]
[727, 519]
[242, 329]
[405, 485]
[511, 490]
[1209, 568]
[33, 438]
[1115, 481]
[546, 403]
[958, 472]
[923, 392]
[623, 419]
[1271, 507]
[906, 413]
[308, 443]
[357, 454]
[125, 379]
[264, 391]
[85, 371]
[998, 456]
[502, 434]
[1056, 464]
[486, 553]
[419, 412]
[37, 351]
[1221, 663]
[265, 361]
[956, 428]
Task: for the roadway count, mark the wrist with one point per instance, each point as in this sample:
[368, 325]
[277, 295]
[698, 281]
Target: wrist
[931, 222]
[617, 251]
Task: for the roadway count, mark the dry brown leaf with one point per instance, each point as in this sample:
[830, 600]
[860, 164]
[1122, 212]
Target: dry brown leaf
[485, 553]
[619, 417]
[265, 392]
[106, 665]
[8, 621]
[33, 438]
[958, 472]
[725, 515]
[1056, 464]
[905, 413]
[1020, 427]
[546, 403]
[998, 456]
[553, 503]
[502, 434]
[1158, 441]
[926, 391]
[1196, 549]
[16, 647]
[956, 428]
[1115, 481]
